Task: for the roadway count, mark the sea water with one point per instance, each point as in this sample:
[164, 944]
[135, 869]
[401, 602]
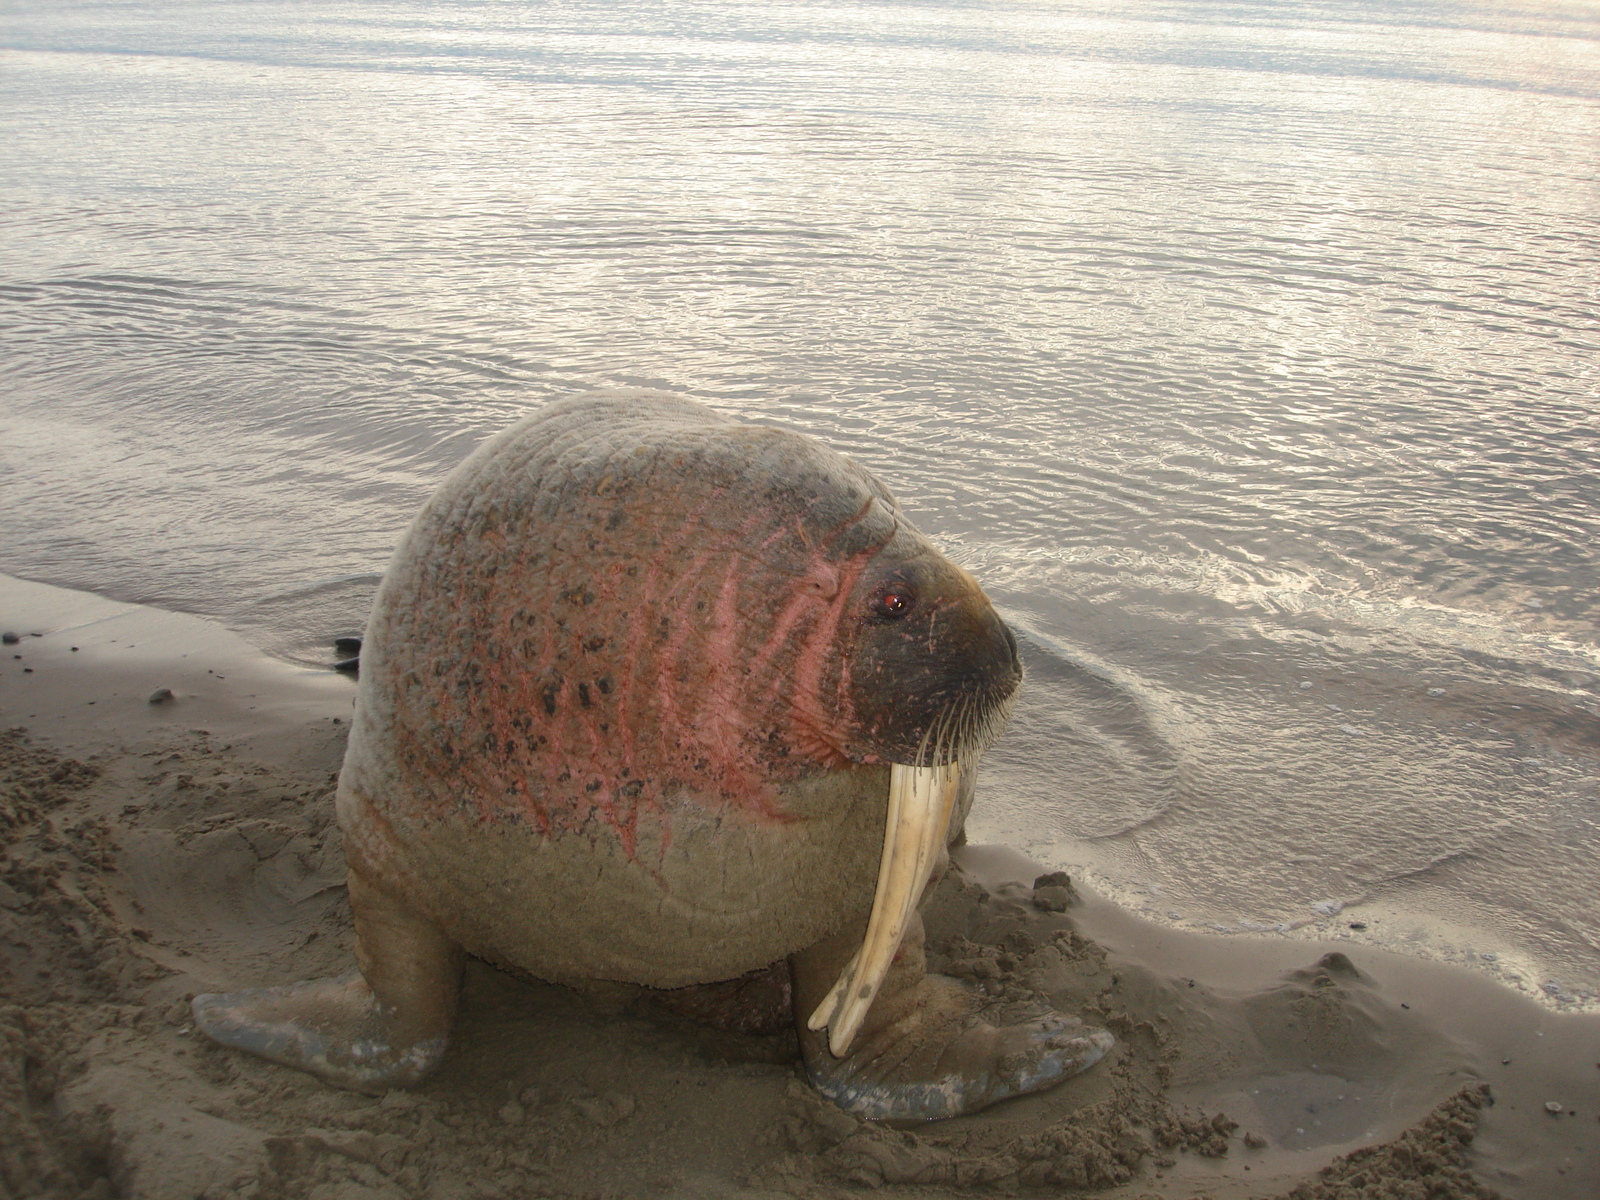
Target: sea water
[1247, 352]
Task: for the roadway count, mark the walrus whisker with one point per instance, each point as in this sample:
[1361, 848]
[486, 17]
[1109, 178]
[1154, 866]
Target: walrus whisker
[962, 730]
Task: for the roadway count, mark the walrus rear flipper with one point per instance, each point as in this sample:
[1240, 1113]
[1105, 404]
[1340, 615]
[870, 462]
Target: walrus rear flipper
[383, 1027]
[924, 1051]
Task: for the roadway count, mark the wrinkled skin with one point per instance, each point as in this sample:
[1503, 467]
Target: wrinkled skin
[628, 699]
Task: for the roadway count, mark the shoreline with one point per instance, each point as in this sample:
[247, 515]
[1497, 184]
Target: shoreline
[195, 851]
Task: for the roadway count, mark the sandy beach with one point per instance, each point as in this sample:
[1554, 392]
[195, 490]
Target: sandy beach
[157, 848]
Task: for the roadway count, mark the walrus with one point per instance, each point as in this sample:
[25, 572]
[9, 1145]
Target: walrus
[650, 695]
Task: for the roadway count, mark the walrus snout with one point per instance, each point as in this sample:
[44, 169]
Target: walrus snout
[935, 669]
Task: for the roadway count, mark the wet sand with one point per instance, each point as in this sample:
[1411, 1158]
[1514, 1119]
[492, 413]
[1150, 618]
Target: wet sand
[156, 850]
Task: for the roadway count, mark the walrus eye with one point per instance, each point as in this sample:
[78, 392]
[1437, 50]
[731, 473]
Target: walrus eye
[894, 603]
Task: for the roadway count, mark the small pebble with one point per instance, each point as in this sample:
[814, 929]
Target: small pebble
[1553, 1107]
[9, 638]
[1306, 685]
[161, 696]
[1435, 691]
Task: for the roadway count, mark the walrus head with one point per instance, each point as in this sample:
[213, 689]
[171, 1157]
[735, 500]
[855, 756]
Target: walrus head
[934, 667]
[630, 605]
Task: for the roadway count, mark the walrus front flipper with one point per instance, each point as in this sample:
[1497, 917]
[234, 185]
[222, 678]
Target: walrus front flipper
[924, 1050]
[383, 1027]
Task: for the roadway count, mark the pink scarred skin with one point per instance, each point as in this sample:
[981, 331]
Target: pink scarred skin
[663, 583]
[628, 698]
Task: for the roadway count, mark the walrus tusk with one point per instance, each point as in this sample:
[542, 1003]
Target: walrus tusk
[920, 803]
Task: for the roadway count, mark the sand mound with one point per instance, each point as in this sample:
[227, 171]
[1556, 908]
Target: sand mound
[1430, 1160]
